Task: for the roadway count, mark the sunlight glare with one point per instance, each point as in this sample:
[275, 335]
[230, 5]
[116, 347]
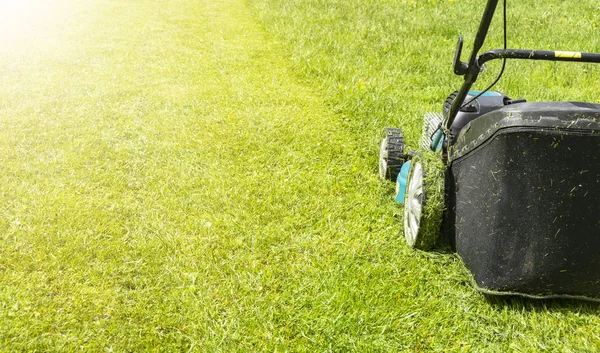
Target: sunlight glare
[25, 20]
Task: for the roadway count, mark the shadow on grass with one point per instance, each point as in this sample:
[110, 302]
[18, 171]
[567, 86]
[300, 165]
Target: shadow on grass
[520, 303]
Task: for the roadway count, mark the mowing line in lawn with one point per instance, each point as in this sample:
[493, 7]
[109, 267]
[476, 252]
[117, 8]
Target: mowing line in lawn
[166, 182]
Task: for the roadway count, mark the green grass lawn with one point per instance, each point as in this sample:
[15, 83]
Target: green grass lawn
[201, 176]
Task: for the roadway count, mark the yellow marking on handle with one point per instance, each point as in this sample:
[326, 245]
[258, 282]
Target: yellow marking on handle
[567, 54]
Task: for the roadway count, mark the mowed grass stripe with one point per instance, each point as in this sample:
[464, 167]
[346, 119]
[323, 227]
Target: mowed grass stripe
[167, 184]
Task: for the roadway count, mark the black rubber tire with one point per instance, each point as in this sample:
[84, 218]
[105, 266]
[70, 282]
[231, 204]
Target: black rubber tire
[391, 154]
[424, 201]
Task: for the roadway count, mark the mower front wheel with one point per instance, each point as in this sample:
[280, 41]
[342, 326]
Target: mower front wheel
[424, 201]
[391, 154]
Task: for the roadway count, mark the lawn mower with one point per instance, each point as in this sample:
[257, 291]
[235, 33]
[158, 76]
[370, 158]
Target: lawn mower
[513, 187]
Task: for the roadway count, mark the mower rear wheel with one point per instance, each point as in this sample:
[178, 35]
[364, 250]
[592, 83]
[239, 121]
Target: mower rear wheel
[424, 201]
[391, 154]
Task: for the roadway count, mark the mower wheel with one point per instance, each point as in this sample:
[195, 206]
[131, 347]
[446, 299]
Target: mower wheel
[424, 202]
[391, 154]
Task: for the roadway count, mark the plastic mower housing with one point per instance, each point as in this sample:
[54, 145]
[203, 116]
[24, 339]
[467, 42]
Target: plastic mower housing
[523, 196]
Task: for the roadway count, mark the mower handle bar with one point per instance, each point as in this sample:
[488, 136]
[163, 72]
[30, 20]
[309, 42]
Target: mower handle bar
[548, 55]
[471, 69]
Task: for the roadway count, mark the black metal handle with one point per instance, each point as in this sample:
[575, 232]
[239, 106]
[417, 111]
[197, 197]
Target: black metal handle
[549, 55]
[460, 68]
[472, 69]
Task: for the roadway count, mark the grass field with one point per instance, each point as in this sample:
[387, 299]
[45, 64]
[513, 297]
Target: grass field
[201, 176]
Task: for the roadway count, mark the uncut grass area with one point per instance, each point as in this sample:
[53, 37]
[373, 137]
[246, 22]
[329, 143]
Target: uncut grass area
[201, 176]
